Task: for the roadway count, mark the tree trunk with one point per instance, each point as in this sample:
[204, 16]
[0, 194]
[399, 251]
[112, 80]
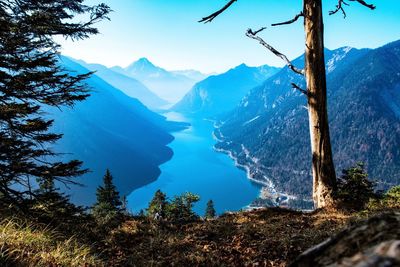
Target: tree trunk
[324, 177]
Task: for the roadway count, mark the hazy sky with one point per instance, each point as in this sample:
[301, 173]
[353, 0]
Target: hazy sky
[167, 32]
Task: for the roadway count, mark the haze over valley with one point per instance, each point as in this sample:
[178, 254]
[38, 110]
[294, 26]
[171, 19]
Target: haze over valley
[251, 114]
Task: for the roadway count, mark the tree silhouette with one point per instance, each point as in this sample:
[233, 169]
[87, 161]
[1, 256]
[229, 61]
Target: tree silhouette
[31, 78]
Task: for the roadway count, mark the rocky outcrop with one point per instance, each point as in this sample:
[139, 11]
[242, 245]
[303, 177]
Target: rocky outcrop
[374, 242]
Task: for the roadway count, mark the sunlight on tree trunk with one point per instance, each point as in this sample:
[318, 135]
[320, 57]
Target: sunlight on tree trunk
[324, 177]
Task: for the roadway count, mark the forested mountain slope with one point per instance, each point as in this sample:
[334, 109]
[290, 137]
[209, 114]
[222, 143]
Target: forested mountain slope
[269, 131]
[221, 93]
[111, 130]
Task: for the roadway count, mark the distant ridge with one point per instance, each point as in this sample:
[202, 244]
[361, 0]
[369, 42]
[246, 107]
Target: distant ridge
[168, 85]
[126, 84]
[221, 93]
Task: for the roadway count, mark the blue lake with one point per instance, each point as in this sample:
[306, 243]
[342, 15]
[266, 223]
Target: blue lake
[196, 167]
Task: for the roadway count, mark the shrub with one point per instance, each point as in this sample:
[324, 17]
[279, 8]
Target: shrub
[355, 190]
[389, 200]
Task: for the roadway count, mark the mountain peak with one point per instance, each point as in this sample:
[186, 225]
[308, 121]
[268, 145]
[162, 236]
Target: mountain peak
[142, 63]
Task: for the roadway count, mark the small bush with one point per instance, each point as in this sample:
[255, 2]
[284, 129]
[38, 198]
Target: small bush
[355, 190]
[389, 200]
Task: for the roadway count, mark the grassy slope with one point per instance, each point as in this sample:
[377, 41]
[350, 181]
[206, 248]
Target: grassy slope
[267, 237]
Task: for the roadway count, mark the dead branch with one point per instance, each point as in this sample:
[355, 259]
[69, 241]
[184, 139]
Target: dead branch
[295, 86]
[301, 14]
[340, 4]
[217, 13]
[253, 35]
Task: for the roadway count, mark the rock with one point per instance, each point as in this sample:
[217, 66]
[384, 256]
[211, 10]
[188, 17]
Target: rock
[373, 242]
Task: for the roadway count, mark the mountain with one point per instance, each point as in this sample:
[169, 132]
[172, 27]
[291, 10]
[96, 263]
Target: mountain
[269, 132]
[191, 74]
[130, 86]
[111, 130]
[221, 93]
[167, 85]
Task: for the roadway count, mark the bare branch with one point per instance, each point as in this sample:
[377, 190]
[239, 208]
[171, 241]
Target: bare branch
[253, 35]
[295, 86]
[362, 2]
[217, 13]
[301, 14]
[340, 4]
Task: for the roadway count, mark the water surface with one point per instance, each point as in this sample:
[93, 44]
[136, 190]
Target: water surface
[196, 167]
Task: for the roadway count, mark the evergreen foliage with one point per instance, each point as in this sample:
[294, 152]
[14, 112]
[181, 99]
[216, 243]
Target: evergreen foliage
[181, 208]
[354, 188]
[389, 200]
[210, 210]
[157, 205]
[108, 205]
[31, 78]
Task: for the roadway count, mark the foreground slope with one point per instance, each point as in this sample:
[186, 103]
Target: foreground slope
[221, 93]
[268, 132]
[112, 130]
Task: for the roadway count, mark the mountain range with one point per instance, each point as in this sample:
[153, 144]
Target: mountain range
[111, 130]
[128, 85]
[170, 86]
[269, 133]
[218, 94]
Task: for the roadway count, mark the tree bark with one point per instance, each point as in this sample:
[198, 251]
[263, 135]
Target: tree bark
[324, 177]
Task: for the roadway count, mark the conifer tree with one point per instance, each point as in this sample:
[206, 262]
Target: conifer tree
[354, 188]
[107, 193]
[210, 210]
[181, 207]
[31, 78]
[157, 205]
[108, 204]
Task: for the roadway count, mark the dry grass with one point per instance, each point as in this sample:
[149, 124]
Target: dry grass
[268, 237]
[24, 244]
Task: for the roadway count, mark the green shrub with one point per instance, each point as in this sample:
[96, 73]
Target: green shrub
[389, 200]
[355, 190]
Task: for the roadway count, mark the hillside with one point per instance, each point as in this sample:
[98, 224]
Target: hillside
[266, 237]
[269, 134]
[221, 93]
[112, 130]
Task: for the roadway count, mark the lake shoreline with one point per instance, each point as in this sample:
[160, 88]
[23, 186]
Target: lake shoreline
[268, 193]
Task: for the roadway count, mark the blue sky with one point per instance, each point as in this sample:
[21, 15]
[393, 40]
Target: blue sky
[167, 32]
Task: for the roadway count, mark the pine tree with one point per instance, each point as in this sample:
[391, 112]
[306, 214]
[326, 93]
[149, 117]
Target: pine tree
[210, 210]
[31, 78]
[354, 188]
[108, 194]
[157, 205]
[181, 208]
[108, 204]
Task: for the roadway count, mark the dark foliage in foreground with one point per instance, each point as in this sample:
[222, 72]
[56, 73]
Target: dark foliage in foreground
[31, 78]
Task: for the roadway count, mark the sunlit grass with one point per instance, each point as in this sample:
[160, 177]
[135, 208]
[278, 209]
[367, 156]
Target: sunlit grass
[24, 244]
